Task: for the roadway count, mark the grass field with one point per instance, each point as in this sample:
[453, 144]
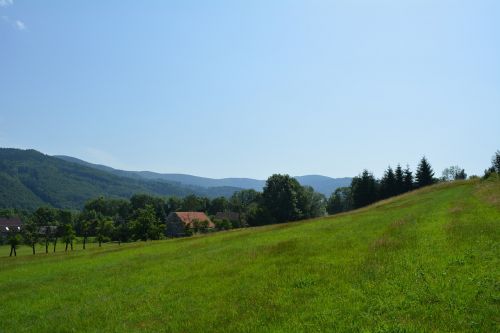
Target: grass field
[424, 261]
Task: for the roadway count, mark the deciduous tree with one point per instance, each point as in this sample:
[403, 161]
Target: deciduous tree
[281, 198]
[31, 234]
[364, 189]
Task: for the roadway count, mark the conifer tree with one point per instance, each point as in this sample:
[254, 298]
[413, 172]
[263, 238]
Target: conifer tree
[388, 184]
[398, 173]
[407, 179]
[425, 174]
[495, 161]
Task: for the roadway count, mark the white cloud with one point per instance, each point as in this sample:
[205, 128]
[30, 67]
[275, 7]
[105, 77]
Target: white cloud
[20, 25]
[17, 24]
[6, 3]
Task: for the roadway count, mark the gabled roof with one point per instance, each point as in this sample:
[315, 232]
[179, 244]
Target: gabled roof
[10, 224]
[230, 216]
[188, 217]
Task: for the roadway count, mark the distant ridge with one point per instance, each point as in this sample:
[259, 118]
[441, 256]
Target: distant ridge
[30, 179]
[322, 184]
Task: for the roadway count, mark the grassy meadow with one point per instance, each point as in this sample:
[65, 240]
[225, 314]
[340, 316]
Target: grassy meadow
[424, 261]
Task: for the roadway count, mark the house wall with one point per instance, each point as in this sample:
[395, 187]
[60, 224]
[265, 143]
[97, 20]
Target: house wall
[174, 227]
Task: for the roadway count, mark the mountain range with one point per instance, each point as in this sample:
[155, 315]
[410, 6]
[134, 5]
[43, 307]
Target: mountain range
[322, 184]
[29, 179]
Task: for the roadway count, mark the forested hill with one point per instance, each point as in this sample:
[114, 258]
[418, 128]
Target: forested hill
[29, 179]
[321, 184]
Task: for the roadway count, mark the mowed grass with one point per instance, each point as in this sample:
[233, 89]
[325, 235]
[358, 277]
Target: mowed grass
[424, 261]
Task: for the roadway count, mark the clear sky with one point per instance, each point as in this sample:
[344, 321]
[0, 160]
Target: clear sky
[251, 88]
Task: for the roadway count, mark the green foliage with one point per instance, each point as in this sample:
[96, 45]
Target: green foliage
[222, 224]
[45, 216]
[14, 239]
[31, 235]
[199, 226]
[242, 199]
[407, 180]
[495, 161]
[312, 204]
[121, 231]
[219, 204]
[388, 185]
[146, 225]
[425, 174]
[193, 203]
[103, 229]
[173, 204]
[399, 176]
[281, 197]
[68, 235]
[364, 189]
[340, 201]
[453, 173]
[256, 214]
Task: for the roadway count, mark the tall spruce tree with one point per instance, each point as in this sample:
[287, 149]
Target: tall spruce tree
[425, 174]
[388, 184]
[495, 161]
[398, 173]
[407, 179]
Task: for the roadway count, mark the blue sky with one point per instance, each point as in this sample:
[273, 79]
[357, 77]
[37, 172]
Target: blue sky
[251, 88]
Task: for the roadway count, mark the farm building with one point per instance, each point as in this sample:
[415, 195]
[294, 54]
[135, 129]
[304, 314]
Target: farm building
[47, 230]
[11, 224]
[178, 222]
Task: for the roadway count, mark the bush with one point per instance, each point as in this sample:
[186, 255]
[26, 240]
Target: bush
[223, 224]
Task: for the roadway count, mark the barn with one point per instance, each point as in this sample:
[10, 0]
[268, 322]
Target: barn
[10, 224]
[178, 222]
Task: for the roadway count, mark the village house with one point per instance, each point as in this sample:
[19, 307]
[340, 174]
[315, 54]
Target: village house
[47, 230]
[178, 222]
[10, 224]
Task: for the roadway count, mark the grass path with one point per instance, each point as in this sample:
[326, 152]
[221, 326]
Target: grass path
[425, 261]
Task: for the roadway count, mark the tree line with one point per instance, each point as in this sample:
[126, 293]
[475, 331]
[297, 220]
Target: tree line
[283, 199]
[365, 189]
[143, 217]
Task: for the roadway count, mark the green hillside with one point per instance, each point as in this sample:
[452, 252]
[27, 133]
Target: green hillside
[321, 184]
[29, 179]
[424, 261]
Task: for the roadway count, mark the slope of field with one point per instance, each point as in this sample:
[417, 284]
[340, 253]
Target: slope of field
[424, 261]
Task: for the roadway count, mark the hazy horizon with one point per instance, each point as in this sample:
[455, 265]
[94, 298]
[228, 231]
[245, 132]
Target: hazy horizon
[225, 89]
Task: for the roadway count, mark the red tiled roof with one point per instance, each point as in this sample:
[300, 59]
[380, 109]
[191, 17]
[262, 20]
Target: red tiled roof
[10, 222]
[188, 217]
